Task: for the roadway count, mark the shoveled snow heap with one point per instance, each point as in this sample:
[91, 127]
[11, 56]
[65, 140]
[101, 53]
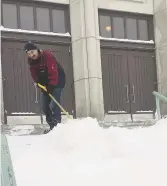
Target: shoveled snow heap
[80, 153]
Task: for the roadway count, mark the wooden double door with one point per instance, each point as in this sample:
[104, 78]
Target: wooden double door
[129, 78]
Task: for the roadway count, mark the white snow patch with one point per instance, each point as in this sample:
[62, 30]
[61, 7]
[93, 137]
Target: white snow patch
[117, 111]
[34, 32]
[127, 40]
[144, 111]
[21, 130]
[22, 113]
[81, 153]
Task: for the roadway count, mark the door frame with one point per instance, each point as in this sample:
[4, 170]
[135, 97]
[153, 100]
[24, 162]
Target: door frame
[131, 46]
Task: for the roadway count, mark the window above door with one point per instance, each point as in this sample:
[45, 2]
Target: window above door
[35, 16]
[121, 25]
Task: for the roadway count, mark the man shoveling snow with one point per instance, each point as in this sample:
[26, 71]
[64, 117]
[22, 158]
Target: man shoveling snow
[46, 71]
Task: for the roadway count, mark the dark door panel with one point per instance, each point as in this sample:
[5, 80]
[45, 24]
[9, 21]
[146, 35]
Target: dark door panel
[115, 81]
[142, 81]
[19, 91]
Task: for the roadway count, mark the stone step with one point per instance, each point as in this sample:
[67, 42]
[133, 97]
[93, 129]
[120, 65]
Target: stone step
[127, 124]
[23, 129]
[32, 129]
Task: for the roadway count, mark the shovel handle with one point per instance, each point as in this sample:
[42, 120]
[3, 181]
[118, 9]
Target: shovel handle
[63, 110]
[42, 87]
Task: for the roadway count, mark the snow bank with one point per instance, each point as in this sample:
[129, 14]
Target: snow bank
[80, 153]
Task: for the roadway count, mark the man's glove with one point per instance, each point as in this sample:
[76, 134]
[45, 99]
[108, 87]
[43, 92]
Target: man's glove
[50, 88]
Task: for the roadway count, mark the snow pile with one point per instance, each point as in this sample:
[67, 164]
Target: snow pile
[80, 153]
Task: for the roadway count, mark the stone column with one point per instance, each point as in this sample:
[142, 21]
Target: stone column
[160, 21]
[1, 93]
[86, 58]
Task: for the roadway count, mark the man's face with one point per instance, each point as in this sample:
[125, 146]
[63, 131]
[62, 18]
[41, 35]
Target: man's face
[33, 54]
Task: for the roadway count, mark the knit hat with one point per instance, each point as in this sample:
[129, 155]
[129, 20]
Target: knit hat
[30, 46]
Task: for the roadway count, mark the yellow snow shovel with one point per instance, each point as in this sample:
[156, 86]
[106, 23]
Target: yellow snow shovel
[66, 113]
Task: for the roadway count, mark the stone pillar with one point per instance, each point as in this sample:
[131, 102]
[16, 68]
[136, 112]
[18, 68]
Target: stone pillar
[1, 93]
[2, 119]
[160, 21]
[86, 58]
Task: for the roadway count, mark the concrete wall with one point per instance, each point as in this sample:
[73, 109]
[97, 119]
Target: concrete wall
[137, 6]
[160, 21]
[1, 87]
[1, 93]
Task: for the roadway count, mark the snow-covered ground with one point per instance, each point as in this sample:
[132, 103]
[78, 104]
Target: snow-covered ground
[80, 153]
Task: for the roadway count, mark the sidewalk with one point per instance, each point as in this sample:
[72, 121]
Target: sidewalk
[23, 129]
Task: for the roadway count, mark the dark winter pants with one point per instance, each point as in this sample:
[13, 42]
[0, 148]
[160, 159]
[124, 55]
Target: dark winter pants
[50, 108]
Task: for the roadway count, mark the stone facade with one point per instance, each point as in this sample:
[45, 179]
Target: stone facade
[1, 94]
[136, 6]
[160, 22]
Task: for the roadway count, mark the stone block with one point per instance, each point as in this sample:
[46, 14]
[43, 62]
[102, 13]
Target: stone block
[77, 20]
[159, 5]
[94, 58]
[136, 6]
[82, 99]
[80, 59]
[161, 28]
[162, 64]
[96, 98]
[162, 75]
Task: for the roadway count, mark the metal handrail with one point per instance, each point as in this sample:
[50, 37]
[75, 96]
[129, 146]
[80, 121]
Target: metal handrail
[159, 97]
